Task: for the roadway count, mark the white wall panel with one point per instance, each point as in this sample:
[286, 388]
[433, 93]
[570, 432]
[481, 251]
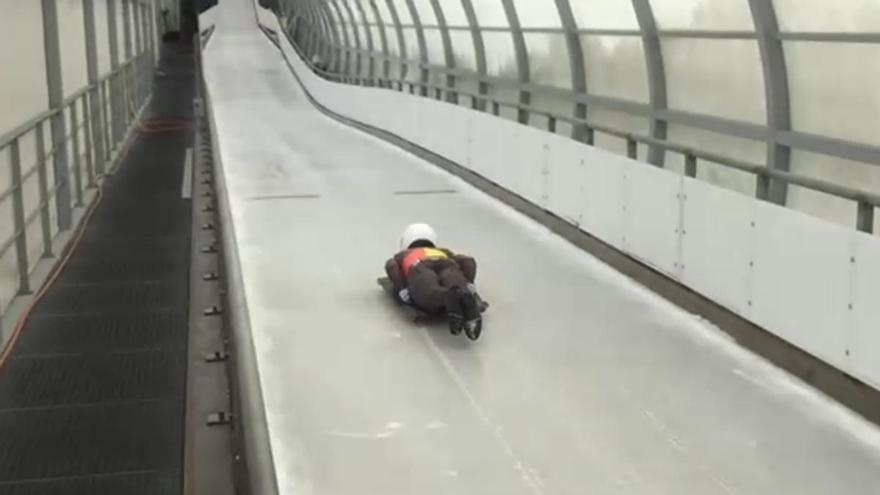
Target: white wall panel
[565, 182]
[652, 216]
[801, 280]
[526, 163]
[603, 197]
[717, 243]
[865, 342]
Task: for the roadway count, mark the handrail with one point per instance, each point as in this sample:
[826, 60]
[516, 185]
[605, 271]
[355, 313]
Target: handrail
[863, 198]
[38, 119]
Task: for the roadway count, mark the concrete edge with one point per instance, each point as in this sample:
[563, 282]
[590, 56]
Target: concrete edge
[251, 430]
[849, 391]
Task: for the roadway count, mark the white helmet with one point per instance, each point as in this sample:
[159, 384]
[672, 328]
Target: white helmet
[417, 232]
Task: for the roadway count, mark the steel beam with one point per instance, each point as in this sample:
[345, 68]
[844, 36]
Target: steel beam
[97, 144]
[368, 35]
[126, 28]
[578, 72]
[333, 41]
[116, 102]
[656, 77]
[401, 41]
[776, 96]
[424, 75]
[358, 60]
[522, 57]
[479, 53]
[55, 85]
[338, 19]
[383, 39]
[451, 95]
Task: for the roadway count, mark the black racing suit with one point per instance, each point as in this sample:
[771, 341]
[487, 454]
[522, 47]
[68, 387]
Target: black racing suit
[429, 273]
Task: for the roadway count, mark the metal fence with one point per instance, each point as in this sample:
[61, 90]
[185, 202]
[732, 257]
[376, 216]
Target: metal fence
[486, 54]
[56, 157]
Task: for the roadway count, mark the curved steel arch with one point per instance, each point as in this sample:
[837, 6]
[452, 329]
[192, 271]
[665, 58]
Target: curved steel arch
[383, 39]
[322, 32]
[578, 71]
[451, 95]
[358, 59]
[777, 99]
[358, 48]
[522, 57]
[334, 44]
[368, 36]
[401, 42]
[423, 47]
[347, 46]
[479, 53]
[656, 77]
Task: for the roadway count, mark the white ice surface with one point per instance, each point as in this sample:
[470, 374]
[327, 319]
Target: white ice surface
[584, 382]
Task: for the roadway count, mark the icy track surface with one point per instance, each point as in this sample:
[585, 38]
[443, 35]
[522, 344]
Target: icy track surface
[584, 382]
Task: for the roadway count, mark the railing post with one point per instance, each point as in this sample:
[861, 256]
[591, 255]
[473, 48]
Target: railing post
[865, 221]
[632, 148]
[76, 160]
[89, 140]
[55, 86]
[106, 100]
[690, 165]
[43, 178]
[18, 220]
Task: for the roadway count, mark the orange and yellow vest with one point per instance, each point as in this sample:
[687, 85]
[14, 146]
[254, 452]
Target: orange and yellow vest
[414, 256]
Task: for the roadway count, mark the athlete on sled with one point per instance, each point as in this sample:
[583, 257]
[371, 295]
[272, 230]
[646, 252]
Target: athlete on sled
[436, 280]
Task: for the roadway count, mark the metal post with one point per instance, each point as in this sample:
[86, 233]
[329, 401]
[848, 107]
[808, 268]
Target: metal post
[383, 39]
[116, 102]
[95, 111]
[865, 222]
[690, 165]
[522, 58]
[632, 148]
[358, 59]
[106, 99]
[656, 77]
[401, 41]
[776, 95]
[576, 63]
[43, 180]
[18, 220]
[77, 157]
[56, 102]
[423, 47]
[449, 55]
[138, 48]
[368, 36]
[346, 41]
[479, 53]
[88, 141]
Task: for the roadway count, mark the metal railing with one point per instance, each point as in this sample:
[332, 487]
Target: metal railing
[866, 201]
[88, 144]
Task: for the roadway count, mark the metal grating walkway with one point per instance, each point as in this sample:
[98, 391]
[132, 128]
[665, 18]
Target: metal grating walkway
[92, 398]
